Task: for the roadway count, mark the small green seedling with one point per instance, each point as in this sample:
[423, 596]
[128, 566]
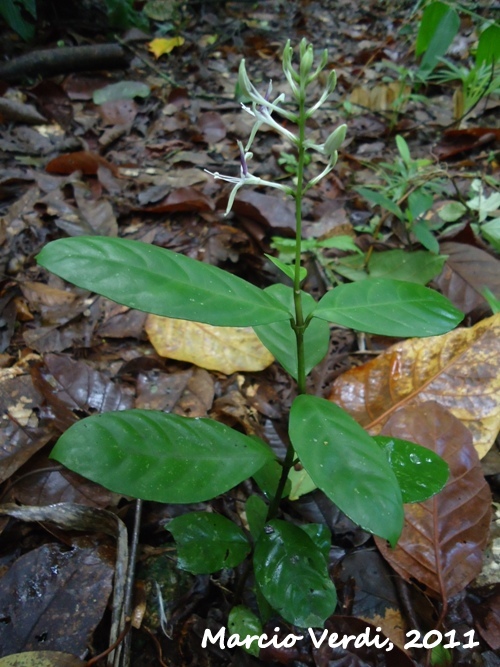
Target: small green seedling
[173, 459]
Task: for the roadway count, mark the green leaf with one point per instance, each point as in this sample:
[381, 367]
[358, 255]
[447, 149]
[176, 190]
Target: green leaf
[159, 281]
[301, 483]
[488, 48]
[256, 511]
[491, 232]
[441, 28]
[321, 537]
[287, 269]
[279, 337]
[123, 90]
[12, 11]
[243, 622]
[292, 575]
[452, 211]
[267, 478]
[381, 200]
[419, 202]
[347, 465]
[493, 302]
[420, 472]
[207, 542]
[158, 456]
[431, 18]
[425, 236]
[341, 242]
[403, 149]
[419, 266]
[389, 308]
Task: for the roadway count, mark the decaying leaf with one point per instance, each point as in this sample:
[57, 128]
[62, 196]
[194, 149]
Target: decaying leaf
[225, 349]
[443, 538]
[460, 370]
[162, 45]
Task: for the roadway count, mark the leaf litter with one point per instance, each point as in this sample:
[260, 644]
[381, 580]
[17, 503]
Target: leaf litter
[133, 167]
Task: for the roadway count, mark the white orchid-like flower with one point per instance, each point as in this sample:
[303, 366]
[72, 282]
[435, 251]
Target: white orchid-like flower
[245, 178]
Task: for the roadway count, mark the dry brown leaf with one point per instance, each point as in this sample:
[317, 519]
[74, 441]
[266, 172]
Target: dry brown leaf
[443, 538]
[460, 370]
[225, 349]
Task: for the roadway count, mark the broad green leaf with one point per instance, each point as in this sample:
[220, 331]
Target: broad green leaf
[488, 48]
[389, 308]
[341, 242]
[452, 211]
[442, 33]
[419, 266]
[123, 90]
[279, 337]
[287, 269]
[347, 465]
[381, 200]
[321, 537]
[207, 542]
[420, 472]
[243, 622]
[292, 575]
[157, 456]
[493, 302]
[267, 478]
[425, 236]
[431, 18]
[159, 281]
[16, 15]
[256, 511]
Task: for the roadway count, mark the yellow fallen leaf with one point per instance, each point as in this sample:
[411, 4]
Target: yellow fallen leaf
[460, 370]
[162, 45]
[225, 349]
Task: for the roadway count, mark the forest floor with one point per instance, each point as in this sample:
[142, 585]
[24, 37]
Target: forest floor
[77, 161]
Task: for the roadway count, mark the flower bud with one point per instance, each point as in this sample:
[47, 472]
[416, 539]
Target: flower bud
[331, 82]
[288, 69]
[334, 141]
[306, 60]
[247, 90]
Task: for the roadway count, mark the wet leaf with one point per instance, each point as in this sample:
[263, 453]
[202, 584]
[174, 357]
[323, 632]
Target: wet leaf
[347, 465]
[163, 45]
[207, 542]
[243, 622]
[459, 370]
[292, 575]
[157, 456]
[43, 594]
[224, 349]
[443, 538]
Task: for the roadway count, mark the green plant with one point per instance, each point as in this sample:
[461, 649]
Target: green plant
[407, 192]
[173, 459]
[18, 14]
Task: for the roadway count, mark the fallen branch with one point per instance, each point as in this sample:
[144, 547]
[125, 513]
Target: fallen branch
[65, 60]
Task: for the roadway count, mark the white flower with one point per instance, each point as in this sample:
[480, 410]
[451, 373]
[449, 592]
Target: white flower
[245, 178]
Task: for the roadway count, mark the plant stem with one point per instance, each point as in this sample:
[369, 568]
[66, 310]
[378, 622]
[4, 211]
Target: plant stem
[299, 326]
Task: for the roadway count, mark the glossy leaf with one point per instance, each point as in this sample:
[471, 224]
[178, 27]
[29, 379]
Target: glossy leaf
[420, 472]
[461, 370]
[444, 537]
[158, 456]
[287, 269]
[279, 337]
[159, 281]
[256, 512]
[207, 542]
[268, 477]
[488, 48]
[243, 622]
[347, 465]
[389, 308]
[321, 537]
[292, 575]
